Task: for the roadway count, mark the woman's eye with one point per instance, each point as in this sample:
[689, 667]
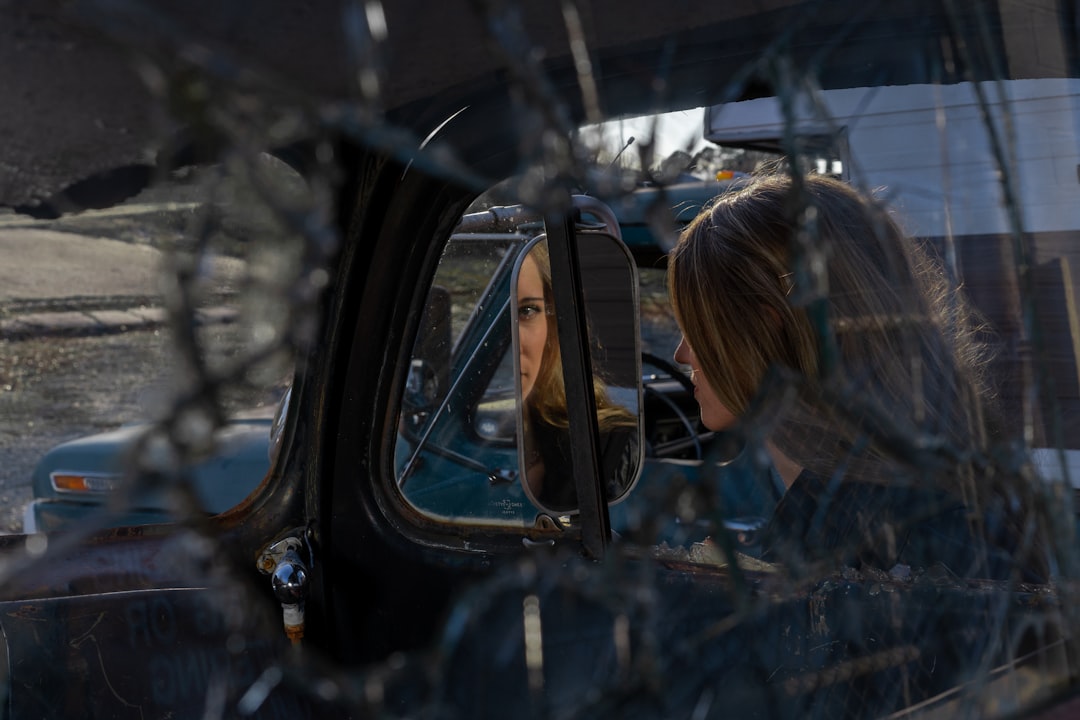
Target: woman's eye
[528, 312]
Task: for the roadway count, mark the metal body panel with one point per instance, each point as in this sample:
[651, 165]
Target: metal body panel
[176, 653]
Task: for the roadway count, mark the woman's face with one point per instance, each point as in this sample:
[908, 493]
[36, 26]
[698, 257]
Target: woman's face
[714, 414]
[532, 323]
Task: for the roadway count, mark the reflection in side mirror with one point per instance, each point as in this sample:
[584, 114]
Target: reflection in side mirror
[544, 436]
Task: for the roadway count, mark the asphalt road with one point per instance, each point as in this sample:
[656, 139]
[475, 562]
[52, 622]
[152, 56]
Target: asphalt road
[40, 263]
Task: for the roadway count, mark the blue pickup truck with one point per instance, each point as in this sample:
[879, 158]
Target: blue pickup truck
[76, 479]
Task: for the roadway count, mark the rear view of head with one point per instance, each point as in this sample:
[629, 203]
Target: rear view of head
[814, 278]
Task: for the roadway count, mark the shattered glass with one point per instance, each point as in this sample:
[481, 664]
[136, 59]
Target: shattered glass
[187, 252]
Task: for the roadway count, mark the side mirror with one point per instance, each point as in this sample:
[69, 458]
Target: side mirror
[544, 436]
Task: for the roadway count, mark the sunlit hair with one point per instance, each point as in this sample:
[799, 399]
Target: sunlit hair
[548, 396]
[814, 278]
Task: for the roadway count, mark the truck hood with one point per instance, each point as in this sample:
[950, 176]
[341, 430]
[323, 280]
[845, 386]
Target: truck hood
[239, 462]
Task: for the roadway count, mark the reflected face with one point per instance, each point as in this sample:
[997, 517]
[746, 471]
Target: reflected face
[714, 414]
[532, 320]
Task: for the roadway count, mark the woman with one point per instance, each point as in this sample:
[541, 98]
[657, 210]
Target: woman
[546, 429]
[812, 323]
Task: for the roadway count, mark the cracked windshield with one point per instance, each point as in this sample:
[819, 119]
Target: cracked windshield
[578, 359]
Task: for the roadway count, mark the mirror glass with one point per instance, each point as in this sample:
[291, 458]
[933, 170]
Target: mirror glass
[544, 431]
[455, 451]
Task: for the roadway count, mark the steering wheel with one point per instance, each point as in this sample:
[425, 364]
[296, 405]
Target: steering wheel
[694, 435]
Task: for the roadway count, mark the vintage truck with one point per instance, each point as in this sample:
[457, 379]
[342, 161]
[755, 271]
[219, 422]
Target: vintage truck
[338, 587]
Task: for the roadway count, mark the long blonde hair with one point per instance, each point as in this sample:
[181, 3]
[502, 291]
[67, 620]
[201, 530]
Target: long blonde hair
[814, 278]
